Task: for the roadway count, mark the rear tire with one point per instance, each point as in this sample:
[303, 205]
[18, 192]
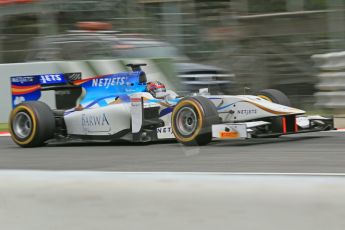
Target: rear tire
[32, 124]
[275, 96]
[192, 120]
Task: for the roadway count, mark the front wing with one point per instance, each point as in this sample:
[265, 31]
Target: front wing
[276, 127]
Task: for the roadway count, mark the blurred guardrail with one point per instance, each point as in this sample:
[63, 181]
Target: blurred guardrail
[157, 69]
[37, 200]
[331, 83]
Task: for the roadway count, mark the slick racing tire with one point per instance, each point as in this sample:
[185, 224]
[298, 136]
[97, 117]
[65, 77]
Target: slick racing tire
[192, 120]
[31, 124]
[278, 97]
[275, 96]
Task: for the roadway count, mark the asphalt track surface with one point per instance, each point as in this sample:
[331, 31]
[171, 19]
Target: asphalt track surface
[306, 153]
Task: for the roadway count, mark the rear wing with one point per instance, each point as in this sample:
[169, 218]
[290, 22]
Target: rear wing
[28, 88]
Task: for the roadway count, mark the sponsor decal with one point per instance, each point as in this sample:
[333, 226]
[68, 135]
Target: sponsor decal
[18, 100]
[229, 134]
[95, 123]
[247, 112]
[164, 130]
[165, 133]
[22, 79]
[52, 79]
[25, 88]
[137, 99]
[108, 82]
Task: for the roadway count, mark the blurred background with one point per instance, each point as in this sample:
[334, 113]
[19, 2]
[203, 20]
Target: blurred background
[226, 45]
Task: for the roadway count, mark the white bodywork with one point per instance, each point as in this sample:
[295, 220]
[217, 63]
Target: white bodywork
[107, 120]
[245, 108]
[235, 112]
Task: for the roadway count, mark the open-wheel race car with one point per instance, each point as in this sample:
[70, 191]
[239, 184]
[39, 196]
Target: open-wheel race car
[125, 106]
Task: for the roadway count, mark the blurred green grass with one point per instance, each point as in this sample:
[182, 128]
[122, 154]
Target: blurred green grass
[3, 127]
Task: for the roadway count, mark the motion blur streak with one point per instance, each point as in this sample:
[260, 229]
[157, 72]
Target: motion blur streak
[307, 153]
[265, 44]
[106, 200]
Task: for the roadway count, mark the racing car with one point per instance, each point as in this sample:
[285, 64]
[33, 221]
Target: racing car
[125, 106]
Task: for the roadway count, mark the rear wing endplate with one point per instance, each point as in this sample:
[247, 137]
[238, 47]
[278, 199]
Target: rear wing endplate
[28, 88]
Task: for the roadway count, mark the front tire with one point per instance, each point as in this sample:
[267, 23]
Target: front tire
[278, 97]
[192, 120]
[275, 96]
[32, 124]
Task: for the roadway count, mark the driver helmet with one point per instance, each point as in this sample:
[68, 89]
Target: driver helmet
[156, 89]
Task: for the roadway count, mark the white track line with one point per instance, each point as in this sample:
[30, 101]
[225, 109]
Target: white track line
[336, 131]
[194, 173]
[168, 174]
